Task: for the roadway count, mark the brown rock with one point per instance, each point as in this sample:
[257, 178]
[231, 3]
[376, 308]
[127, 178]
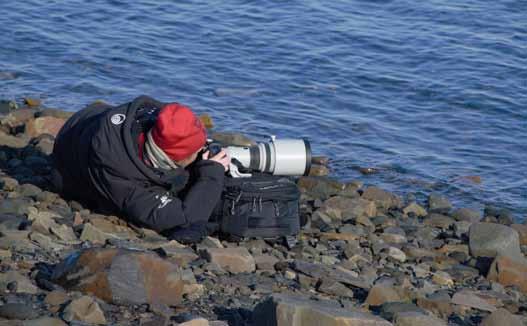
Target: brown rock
[18, 118]
[44, 321]
[56, 298]
[44, 125]
[265, 262]
[32, 101]
[283, 310]
[196, 322]
[321, 160]
[23, 284]
[232, 139]
[206, 120]
[234, 260]
[440, 307]
[351, 208]
[414, 318]
[508, 271]
[467, 215]
[502, 317]
[317, 170]
[121, 276]
[85, 309]
[522, 231]
[382, 198]
[12, 141]
[380, 294]
[439, 221]
[339, 236]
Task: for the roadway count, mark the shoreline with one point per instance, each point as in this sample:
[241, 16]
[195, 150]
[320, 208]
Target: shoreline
[365, 255]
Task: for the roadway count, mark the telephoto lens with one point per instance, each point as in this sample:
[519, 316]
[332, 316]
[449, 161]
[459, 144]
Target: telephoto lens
[277, 157]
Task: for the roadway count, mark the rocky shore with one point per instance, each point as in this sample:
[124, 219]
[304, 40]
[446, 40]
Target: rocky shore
[365, 256]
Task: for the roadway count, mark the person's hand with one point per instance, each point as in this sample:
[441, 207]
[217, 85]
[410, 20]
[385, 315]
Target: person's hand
[222, 157]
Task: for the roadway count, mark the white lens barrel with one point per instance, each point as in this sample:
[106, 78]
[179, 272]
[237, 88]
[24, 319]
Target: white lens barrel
[278, 157]
[290, 157]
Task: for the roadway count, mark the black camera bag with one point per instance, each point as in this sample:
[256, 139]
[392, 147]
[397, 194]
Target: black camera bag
[262, 206]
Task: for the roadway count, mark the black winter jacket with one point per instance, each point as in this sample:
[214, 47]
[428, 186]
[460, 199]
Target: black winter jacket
[96, 154]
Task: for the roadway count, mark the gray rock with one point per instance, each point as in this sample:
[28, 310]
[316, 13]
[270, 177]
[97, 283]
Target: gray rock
[332, 287]
[467, 215]
[283, 310]
[390, 310]
[319, 187]
[502, 317]
[438, 203]
[490, 240]
[470, 299]
[18, 311]
[121, 276]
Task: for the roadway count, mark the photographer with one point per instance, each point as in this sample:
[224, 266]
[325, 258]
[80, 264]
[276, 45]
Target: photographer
[141, 160]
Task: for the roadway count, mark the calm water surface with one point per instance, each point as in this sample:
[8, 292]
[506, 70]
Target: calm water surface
[427, 92]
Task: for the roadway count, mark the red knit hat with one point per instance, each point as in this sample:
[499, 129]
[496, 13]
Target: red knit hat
[178, 132]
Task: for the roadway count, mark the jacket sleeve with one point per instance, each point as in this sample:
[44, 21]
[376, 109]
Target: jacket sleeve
[157, 209]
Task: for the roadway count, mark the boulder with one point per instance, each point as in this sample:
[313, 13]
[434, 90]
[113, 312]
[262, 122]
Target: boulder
[490, 240]
[45, 321]
[84, 309]
[351, 208]
[438, 203]
[508, 271]
[23, 284]
[467, 215]
[382, 198]
[283, 310]
[44, 125]
[522, 232]
[469, 298]
[319, 187]
[318, 170]
[413, 318]
[380, 294]
[502, 317]
[18, 311]
[233, 260]
[121, 276]
[439, 221]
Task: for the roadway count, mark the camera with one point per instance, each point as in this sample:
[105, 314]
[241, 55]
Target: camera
[277, 157]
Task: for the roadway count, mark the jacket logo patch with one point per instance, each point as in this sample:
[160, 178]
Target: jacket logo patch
[118, 118]
[164, 200]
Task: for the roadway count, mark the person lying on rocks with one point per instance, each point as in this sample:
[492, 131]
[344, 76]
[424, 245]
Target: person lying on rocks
[140, 160]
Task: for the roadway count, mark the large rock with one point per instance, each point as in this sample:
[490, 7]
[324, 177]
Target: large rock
[18, 311]
[471, 299]
[44, 125]
[23, 284]
[12, 141]
[283, 310]
[121, 276]
[351, 208]
[321, 188]
[490, 240]
[382, 198]
[412, 318]
[234, 260]
[380, 294]
[522, 232]
[438, 203]
[502, 317]
[508, 271]
[85, 309]
[467, 215]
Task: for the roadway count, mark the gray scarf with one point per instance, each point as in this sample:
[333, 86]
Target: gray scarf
[156, 156]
